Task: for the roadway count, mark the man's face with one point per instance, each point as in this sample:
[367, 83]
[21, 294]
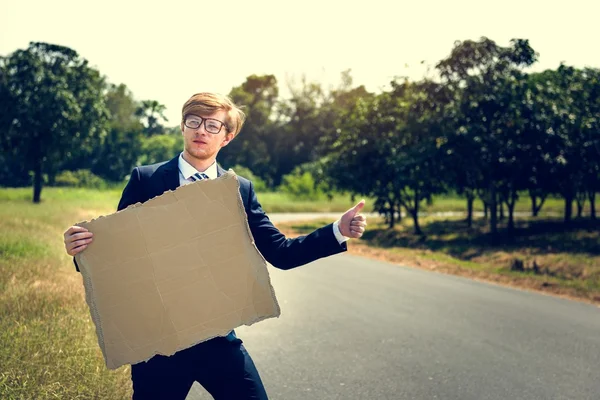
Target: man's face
[203, 145]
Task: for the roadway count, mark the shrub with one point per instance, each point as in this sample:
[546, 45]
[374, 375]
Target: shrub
[259, 184]
[301, 186]
[160, 148]
[80, 178]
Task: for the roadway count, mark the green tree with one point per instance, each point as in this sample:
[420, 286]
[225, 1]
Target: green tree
[573, 124]
[152, 116]
[255, 145]
[312, 119]
[486, 79]
[303, 125]
[55, 105]
[389, 148]
[117, 154]
[419, 159]
[258, 184]
[159, 148]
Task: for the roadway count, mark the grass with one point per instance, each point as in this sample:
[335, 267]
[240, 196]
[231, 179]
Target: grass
[274, 202]
[555, 258]
[280, 202]
[48, 346]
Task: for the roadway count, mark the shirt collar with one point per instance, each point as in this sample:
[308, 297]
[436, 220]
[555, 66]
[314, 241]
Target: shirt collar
[187, 170]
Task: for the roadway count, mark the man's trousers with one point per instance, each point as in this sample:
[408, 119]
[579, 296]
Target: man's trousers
[221, 365]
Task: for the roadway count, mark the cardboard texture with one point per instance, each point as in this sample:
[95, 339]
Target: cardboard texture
[175, 271]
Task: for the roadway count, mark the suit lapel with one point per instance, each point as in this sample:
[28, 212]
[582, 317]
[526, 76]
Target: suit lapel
[220, 170]
[171, 174]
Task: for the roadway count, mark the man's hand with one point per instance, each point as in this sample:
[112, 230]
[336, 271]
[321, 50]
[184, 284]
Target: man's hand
[352, 225]
[77, 239]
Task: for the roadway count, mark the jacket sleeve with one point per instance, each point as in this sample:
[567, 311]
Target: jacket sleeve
[284, 253]
[131, 195]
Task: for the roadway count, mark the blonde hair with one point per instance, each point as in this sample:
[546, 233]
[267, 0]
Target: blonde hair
[203, 104]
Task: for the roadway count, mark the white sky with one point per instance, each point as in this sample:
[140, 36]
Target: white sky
[156, 48]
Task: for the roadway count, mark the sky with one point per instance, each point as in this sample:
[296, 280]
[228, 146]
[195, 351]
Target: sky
[169, 50]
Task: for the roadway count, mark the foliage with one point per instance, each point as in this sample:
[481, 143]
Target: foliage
[80, 178]
[301, 185]
[117, 153]
[488, 91]
[388, 148]
[257, 182]
[254, 146]
[160, 148]
[52, 106]
[152, 115]
[280, 134]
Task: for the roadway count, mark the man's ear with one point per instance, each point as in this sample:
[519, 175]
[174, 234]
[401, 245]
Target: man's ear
[228, 138]
[181, 126]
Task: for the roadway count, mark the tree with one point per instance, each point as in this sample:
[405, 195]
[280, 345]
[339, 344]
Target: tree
[152, 116]
[420, 170]
[55, 104]
[576, 128]
[389, 148]
[158, 148]
[485, 77]
[120, 150]
[255, 145]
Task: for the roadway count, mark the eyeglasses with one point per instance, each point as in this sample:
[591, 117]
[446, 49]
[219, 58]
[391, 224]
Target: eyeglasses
[211, 125]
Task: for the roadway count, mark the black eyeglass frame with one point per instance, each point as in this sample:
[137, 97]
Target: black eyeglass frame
[203, 121]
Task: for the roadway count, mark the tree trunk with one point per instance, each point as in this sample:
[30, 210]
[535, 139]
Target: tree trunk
[592, 198]
[416, 214]
[399, 211]
[493, 215]
[470, 200]
[568, 207]
[534, 209]
[392, 217]
[37, 180]
[501, 204]
[511, 212]
[544, 197]
[580, 201]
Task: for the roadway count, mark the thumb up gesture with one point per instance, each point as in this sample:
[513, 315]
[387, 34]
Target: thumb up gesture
[352, 224]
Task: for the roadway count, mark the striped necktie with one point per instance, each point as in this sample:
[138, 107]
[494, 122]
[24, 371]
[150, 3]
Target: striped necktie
[198, 176]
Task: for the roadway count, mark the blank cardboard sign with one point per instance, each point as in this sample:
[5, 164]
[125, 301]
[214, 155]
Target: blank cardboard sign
[175, 271]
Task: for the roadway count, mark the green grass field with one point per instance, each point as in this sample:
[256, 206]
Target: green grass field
[48, 346]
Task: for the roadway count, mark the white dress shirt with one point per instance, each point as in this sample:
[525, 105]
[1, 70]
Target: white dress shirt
[186, 170]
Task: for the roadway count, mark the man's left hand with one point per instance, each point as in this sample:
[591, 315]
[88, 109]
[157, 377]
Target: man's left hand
[352, 225]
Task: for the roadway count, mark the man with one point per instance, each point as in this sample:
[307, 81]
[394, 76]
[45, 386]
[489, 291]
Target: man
[222, 365]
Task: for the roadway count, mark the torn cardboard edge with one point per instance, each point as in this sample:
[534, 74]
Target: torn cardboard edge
[187, 269]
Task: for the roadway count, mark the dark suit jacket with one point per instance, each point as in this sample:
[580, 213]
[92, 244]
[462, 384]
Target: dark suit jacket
[150, 181]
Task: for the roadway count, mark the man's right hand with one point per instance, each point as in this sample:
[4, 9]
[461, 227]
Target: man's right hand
[77, 239]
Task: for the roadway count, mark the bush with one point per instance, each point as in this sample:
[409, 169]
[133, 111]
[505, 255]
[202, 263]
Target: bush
[160, 148]
[259, 184]
[80, 178]
[302, 186]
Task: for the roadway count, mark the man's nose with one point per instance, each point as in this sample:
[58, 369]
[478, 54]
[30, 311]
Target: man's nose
[201, 129]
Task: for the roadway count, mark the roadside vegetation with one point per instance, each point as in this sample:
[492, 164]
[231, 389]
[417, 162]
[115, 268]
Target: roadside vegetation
[542, 254]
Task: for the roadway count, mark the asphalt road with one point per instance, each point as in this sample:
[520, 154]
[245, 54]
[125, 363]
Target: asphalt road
[353, 328]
